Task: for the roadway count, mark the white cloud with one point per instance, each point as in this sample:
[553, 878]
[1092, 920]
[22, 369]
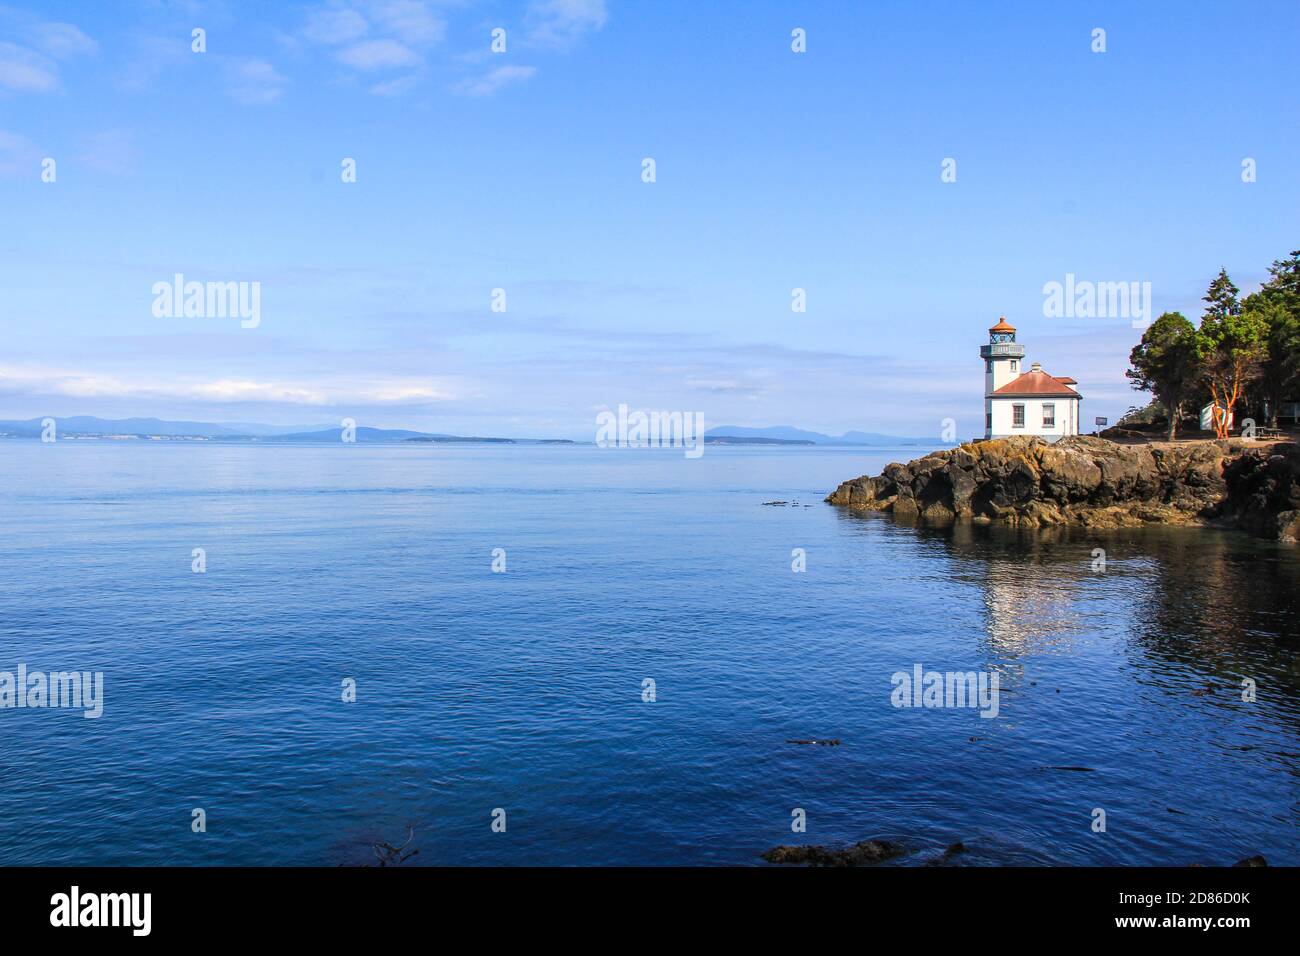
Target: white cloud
[58, 39]
[76, 384]
[723, 385]
[19, 156]
[335, 25]
[254, 81]
[151, 57]
[108, 151]
[378, 36]
[25, 71]
[28, 68]
[395, 87]
[494, 80]
[561, 23]
[378, 55]
[62, 40]
[409, 20]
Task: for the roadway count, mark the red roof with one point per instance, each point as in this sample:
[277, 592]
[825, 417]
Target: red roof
[1002, 325]
[1036, 384]
[1065, 380]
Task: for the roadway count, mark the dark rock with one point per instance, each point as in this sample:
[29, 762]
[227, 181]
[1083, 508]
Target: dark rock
[946, 857]
[830, 742]
[860, 854]
[1252, 861]
[1073, 769]
[1088, 481]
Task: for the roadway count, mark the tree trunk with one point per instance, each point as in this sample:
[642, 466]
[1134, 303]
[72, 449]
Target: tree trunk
[1230, 405]
[1174, 411]
[1217, 413]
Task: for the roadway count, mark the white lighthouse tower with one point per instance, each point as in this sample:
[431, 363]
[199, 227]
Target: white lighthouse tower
[1002, 356]
[1019, 402]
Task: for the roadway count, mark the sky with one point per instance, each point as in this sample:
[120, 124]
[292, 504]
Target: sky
[523, 171]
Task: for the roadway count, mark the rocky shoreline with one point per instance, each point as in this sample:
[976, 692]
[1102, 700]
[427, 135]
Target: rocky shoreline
[1093, 482]
[875, 851]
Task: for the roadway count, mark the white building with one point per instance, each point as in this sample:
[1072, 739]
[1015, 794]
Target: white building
[1024, 402]
[1207, 417]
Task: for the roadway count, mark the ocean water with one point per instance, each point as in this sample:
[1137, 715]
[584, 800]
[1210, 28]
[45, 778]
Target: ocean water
[522, 690]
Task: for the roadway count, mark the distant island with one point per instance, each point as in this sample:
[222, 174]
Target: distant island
[751, 440]
[787, 435]
[157, 429]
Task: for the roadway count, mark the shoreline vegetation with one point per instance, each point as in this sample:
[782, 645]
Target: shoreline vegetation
[1092, 482]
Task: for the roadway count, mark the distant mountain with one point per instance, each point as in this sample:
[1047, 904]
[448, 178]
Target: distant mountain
[366, 434]
[88, 426]
[786, 433]
[711, 439]
[253, 428]
[876, 438]
[144, 427]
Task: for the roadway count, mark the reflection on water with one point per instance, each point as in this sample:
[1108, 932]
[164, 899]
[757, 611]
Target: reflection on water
[1135, 670]
[1220, 604]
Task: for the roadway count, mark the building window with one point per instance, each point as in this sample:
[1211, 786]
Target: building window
[988, 421]
[1013, 365]
[1049, 415]
[1017, 416]
[988, 365]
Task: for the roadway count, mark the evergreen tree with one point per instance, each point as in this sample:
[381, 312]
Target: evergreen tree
[1222, 297]
[1279, 303]
[1285, 281]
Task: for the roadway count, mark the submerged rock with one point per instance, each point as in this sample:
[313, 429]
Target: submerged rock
[945, 858]
[1252, 861]
[859, 854]
[1072, 769]
[1092, 482]
[828, 742]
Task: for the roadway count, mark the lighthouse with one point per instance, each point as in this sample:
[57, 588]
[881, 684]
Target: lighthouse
[1024, 402]
[1002, 356]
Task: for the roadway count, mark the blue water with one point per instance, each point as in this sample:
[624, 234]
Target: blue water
[522, 690]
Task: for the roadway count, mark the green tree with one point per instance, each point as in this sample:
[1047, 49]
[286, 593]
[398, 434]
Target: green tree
[1230, 346]
[1285, 281]
[1222, 297]
[1165, 363]
[1278, 300]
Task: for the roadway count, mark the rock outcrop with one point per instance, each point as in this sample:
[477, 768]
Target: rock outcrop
[860, 854]
[1093, 482]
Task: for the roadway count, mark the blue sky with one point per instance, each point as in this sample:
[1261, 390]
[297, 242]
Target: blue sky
[522, 171]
